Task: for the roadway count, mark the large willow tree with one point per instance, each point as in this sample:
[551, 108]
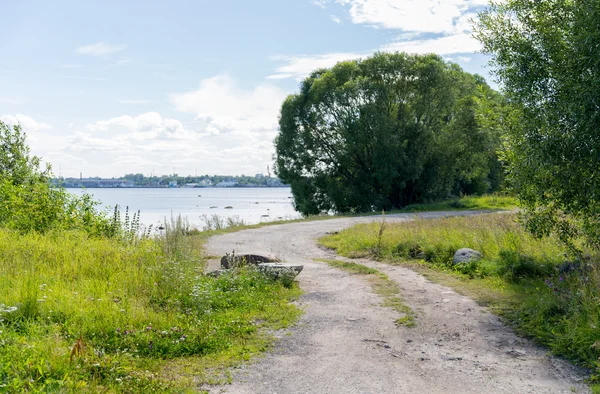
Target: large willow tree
[385, 132]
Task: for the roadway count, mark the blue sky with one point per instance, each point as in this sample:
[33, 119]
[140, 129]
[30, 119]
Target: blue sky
[114, 87]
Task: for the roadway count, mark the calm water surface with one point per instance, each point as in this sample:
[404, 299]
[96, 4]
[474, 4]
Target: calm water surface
[253, 205]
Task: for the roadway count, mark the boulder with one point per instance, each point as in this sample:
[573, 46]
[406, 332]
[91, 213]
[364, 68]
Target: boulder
[233, 260]
[279, 266]
[466, 255]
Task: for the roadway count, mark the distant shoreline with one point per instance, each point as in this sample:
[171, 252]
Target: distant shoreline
[177, 187]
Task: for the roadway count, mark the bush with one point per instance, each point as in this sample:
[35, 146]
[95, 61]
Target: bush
[514, 266]
[30, 202]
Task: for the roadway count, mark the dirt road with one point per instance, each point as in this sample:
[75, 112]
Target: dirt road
[347, 343]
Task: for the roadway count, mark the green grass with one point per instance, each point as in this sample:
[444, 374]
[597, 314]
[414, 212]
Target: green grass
[522, 278]
[503, 243]
[381, 285]
[485, 202]
[84, 314]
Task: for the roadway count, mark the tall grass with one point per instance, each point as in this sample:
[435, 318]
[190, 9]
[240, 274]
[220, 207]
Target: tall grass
[217, 223]
[504, 244]
[544, 292]
[82, 313]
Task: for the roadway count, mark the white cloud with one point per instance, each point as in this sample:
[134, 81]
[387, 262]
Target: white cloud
[226, 107]
[233, 133]
[149, 141]
[298, 67]
[147, 126]
[320, 3]
[28, 124]
[464, 59]
[424, 26]
[456, 43]
[427, 16]
[100, 48]
[335, 19]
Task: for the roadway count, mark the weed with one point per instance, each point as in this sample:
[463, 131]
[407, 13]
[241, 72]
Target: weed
[217, 223]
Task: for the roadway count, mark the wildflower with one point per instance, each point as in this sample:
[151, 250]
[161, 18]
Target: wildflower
[561, 279]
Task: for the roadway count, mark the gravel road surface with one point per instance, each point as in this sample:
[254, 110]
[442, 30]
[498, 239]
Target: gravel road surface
[346, 342]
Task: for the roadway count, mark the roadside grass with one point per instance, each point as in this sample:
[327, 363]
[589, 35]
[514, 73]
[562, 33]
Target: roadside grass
[485, 202]
[533, 283]
[382, 286]
[86, 314]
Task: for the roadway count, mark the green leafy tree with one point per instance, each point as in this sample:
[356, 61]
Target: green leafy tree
[385, 132]
[547, 58]
[28, 200]
[16, 163]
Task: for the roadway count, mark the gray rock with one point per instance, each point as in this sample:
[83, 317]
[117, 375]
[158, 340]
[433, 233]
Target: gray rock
[279, 266]
[232, 260]
[466, 255]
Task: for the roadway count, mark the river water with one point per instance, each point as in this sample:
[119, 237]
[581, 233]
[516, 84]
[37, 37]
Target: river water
[252, 205]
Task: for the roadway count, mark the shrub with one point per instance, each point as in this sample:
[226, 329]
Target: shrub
[30, 202]
[514, 266]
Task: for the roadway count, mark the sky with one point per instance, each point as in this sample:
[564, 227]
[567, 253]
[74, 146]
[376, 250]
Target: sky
[107, 88]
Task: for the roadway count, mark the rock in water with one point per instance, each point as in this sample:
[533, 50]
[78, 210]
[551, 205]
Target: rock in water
[466, 255]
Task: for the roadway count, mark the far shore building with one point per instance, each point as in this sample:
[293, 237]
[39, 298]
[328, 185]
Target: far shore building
[97, 183]
[226, 184]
